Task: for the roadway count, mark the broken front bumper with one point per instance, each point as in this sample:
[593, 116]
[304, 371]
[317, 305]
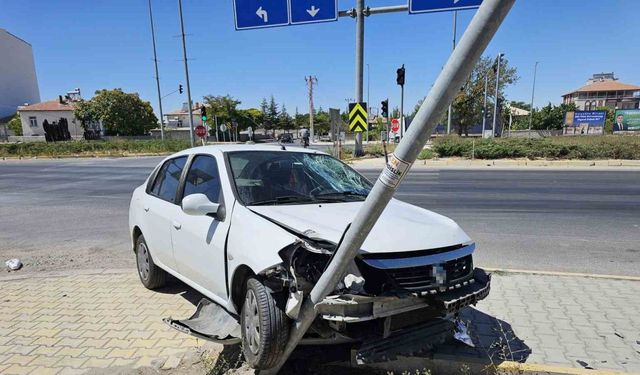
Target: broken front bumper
[356, 308]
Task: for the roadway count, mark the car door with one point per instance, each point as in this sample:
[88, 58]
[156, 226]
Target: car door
[199, 241]
[159, 210]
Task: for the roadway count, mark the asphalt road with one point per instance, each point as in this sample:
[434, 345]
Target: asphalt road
[72, 213]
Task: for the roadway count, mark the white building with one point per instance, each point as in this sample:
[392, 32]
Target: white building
[180, 117]
[18, 81]
[33, 116]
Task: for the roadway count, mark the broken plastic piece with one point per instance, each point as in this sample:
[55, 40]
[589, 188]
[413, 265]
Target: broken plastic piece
[462, 333]
[293, 304]
[13, 264]
[210, 322]
[354, 283]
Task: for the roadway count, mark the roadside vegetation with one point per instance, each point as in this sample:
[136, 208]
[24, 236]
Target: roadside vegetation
[594, 147]
[92, 148]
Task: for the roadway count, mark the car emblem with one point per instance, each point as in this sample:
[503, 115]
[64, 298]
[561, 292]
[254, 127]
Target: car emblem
[440, 274]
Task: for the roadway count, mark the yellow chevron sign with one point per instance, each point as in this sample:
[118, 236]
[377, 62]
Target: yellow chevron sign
[358, 117]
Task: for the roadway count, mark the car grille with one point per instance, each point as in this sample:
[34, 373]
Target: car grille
[420, 278]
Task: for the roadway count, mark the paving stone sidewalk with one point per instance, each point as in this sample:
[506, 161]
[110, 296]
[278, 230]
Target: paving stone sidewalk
[69, 324]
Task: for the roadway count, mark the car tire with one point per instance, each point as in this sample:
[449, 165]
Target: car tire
[265, 326]
[151, 276]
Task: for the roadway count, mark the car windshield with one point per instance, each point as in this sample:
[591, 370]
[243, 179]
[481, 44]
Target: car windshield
[278, 177]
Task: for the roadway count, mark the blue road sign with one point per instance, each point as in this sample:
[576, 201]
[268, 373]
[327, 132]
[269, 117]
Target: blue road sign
[253, 14]
[426, 6]
[310, 11]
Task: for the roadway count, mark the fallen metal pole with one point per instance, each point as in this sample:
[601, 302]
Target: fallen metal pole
[458, 68]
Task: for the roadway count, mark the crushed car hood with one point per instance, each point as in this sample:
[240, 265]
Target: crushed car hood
[401, 227]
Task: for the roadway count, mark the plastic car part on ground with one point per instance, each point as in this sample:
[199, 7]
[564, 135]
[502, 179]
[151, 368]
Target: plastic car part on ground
[13, 264]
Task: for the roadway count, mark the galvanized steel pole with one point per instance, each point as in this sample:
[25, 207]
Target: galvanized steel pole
[359, 66]
[484, 105]
[495, 102]
[533, 92]
[455, 27]
[186, 72]
[155, 61]
[456, 71]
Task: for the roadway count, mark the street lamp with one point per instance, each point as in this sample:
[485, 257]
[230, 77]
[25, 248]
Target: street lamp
[533, 91]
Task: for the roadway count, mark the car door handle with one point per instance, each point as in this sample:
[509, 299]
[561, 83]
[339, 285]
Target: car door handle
[176, 225]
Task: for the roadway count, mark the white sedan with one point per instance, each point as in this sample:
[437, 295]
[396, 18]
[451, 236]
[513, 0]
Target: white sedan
[252, 227]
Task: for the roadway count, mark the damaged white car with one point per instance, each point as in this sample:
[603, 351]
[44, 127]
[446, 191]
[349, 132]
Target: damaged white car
[252, 228]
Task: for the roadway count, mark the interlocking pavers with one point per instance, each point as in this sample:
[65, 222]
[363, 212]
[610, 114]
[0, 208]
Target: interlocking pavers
[72, 323]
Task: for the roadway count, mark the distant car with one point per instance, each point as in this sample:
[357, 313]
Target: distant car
[252, 227]
[285, 138]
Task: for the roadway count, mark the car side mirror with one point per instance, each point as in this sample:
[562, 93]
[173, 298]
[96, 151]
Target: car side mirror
[200, 205]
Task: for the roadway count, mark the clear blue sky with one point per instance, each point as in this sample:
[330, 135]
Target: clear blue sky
[107, 44]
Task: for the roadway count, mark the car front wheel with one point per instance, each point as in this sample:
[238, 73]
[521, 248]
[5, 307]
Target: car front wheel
[265, 327]
[152, 276]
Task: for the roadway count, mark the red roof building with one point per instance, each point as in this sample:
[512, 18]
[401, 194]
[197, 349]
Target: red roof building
[604, 90]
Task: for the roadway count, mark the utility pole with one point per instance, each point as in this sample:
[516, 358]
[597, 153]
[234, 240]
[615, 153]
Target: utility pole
[455, 26]
[495, 103]
[310, 81]
[186, 72]
[360, 9]
[155, 61]
[484, 105]
[533, 92]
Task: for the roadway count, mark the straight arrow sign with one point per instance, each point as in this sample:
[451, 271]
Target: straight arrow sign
[313, 11]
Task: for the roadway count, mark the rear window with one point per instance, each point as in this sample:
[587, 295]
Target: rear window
[167, 181]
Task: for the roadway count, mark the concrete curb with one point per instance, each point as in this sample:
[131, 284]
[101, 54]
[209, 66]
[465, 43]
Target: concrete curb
[554, 273]
[447, 364]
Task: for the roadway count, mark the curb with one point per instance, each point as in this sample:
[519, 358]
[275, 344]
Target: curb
[447, 364]
[554, 273]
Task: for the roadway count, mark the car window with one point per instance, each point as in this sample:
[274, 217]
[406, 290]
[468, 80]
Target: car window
[277, 177]
[203, 178]
[168, 179]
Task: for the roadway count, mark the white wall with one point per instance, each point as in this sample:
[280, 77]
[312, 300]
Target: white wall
[75, 128]
[18, 81]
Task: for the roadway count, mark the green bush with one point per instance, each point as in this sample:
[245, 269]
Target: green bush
[593, 147]
[92, 148]
[426, 154]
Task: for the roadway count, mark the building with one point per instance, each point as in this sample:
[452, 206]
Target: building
[604, 90]
[180, 117]
[18, 81]
[33, 116]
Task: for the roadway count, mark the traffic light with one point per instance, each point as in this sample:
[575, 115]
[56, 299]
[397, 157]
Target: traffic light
[203, 113]
[180, 89]
[400, 76]
[385, 108]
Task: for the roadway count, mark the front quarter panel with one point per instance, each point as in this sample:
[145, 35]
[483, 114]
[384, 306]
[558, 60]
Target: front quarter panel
[254, 241]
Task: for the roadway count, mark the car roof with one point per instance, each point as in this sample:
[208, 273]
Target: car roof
[222, 148]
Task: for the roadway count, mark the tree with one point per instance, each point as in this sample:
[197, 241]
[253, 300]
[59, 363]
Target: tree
[551, 116]
[120, 113]
[249, 117]
[321, 121]
[15, 125]
[467, 105]
[284, 120]
[270, 114]
[224, 108]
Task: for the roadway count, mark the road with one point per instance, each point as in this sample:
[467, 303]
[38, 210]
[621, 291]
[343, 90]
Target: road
[72, 213]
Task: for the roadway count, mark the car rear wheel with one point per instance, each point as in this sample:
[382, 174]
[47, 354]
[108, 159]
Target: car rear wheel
[152, 276]
[265, 327]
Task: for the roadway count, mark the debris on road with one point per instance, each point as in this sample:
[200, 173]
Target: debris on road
[13, 264]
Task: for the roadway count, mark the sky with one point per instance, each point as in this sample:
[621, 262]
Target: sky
[107, 44]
